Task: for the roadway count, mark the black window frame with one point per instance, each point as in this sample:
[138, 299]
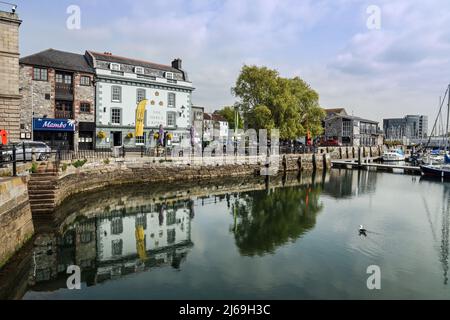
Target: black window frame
[84, 104]
[41, 72]
[88, 84]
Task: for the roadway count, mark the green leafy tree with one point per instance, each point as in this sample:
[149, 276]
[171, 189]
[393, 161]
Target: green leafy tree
[265, 222]
[267, 101]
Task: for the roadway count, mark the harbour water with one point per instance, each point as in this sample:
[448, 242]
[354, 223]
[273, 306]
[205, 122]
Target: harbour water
[291, 238]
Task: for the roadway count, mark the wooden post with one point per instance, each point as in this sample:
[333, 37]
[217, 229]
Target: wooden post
[340, 152]
[324, 162]
[359, 156]
[299, 163]
[314, 162]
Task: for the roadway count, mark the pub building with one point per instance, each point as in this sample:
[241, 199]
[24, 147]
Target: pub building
[58, 100]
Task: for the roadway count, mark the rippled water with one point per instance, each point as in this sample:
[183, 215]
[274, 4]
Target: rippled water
[293, 238]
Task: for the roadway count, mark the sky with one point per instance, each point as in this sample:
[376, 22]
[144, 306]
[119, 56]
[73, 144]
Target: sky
[402, 66]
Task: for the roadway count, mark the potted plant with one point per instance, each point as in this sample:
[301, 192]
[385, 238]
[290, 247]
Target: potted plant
[130, 135]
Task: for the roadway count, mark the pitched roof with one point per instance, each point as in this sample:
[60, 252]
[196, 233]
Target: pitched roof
[351, 118]
[134, 62]
[57, 59]
[335, 110]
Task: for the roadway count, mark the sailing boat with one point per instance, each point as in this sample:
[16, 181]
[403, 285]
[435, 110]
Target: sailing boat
[440, 170]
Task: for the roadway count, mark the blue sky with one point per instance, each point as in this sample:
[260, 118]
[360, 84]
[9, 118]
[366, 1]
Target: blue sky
[402, 68]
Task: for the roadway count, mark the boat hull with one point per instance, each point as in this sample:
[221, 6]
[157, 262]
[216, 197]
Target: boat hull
[393, 157]
[434, 171]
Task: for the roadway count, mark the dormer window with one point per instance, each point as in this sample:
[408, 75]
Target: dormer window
[169, 75]
[139, 70]
[115, 66]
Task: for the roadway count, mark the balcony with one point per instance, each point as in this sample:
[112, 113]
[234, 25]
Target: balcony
[59, 114]
[64, 91]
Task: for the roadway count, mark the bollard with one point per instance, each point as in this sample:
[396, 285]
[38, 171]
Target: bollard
[359, 157]
[324, 162]
[299, 164]
[314, 162]
[142, 151]
[14, 161]
[23, 153]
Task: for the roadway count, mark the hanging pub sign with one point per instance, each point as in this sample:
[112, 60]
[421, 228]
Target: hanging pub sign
[46, 124]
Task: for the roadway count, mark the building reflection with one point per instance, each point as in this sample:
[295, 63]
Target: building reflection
[113, 244]
[345, 183]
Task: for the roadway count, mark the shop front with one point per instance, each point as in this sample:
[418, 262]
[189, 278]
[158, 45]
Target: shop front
[57, 133]
[86, 132]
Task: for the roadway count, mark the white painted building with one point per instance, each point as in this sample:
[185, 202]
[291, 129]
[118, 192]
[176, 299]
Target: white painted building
[215, 126]
[122, 82]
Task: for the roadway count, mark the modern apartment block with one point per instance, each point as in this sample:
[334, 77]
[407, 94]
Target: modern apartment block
[410, 126]
[58, 99]
[351, 131]
[121, 83]
[9, 75]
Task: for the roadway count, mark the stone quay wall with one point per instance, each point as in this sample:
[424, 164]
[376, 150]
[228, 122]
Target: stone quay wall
[96, 175]
[352, 152]
[16, 225]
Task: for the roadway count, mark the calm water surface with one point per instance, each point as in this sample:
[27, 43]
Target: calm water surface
[248, 240]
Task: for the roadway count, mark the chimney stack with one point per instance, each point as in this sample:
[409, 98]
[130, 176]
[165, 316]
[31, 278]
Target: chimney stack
[176, 64]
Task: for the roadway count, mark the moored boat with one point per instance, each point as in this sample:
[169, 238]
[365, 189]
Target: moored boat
[437, 171]
[394, 155]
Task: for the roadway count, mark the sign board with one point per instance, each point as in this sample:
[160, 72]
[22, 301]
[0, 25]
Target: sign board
[46, 124]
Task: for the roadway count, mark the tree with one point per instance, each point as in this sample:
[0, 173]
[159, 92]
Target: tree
[229, 114]
[267, 101]
[265, 222]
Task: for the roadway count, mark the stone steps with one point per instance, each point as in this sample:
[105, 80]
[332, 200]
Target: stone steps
[42, 188]
[44, 195]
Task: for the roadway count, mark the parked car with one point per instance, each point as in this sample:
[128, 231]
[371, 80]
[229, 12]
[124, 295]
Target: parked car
[330, 143]
[41, 151]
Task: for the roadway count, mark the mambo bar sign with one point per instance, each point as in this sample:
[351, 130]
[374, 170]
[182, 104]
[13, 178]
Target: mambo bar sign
[46, 124]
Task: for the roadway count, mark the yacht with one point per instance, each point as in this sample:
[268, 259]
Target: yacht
[394, 155]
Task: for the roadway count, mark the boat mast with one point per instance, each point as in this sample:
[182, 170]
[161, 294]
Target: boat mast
[448, 116]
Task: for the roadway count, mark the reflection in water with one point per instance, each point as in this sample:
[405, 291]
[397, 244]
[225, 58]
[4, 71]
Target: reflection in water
[441, 245]
[264, 221]
[345, 183]
[253, 239]
[119, 242]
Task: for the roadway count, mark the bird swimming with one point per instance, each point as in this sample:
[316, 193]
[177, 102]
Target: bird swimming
[362, 230]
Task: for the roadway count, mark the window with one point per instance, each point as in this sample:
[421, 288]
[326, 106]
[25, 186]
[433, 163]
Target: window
[85, 81]
[141, 221]
[115, 66]
[140, 95]
[116, 116]
[86, 237]
[171, 99]
[139, 70]
[85, 107]
[140, 140]
[169, 75]
[116, 226]
[40, 74]
[116, 247]
[67, 79]
[171, 119]
[59, 78]
[171, 236]
[116, 94]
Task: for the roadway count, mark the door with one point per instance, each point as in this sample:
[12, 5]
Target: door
[117, 138]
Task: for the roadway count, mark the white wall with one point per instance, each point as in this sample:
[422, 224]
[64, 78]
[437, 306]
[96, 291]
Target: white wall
[156, 235]
[156, 114]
